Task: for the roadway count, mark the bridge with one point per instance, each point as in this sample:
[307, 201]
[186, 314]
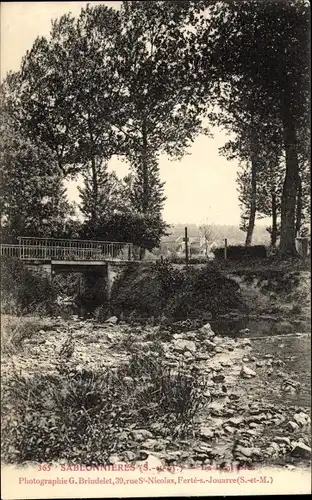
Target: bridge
[41, 250]
[56, 255]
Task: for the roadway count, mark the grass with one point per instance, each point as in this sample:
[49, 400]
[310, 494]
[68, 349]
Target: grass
[14, 330]
[99, 407]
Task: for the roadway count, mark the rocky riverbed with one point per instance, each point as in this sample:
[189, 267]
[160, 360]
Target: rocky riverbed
[256, 407]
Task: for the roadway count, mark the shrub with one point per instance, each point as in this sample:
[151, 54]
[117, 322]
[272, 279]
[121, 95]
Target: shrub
[99, 406]
[14, 330]
[239, 252]
[24, 290]
[178, 294]
[204, 290]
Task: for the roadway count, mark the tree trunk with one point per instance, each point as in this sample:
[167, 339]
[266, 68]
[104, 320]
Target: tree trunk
[253, 203]
[299, 206]
[288, 206]
[274, 221]
[95, 193]
[145, 201]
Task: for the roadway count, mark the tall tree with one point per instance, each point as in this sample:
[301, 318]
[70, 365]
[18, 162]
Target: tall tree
[67, 92]
[33, 201]
[266, 45]
[100, 195]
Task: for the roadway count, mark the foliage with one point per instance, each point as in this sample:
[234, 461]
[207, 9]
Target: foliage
[99, 406]
[263, 48]
[33, 200]
[100, 194]
[239, 252]
[139, 229]
[14, 330]
[24, 291]
[160, 289]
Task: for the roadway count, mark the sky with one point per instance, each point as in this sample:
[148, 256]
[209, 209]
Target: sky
[199, 188]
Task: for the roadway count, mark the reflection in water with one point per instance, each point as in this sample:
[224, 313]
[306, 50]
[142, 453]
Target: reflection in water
[258, 327]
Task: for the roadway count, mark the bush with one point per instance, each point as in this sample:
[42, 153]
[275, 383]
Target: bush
[239, 252]
[14, 330]
[99, 406]
[24, 291]
[204, 290]
[178, 294]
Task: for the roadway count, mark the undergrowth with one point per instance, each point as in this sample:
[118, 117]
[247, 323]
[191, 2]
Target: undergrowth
[99, 406]
[163, 290]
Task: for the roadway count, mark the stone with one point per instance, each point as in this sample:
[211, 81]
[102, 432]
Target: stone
[245, 342]
[247, 452]
[113, 459]
[181, 345]
[283, 440]
[207, 330]
[235, 421]
[218, 350]
[188, 355]
[292, 426]
[141, 434]
[247, 372]
[206, 433]
[244, 331]
[129, 455]
[201, 356]
[151, 444]
[113, 320]
[230, 429]
[209, 345]
[218, 379]
[301, 450]
[302, 419]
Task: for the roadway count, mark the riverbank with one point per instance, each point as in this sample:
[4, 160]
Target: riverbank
[225, 400]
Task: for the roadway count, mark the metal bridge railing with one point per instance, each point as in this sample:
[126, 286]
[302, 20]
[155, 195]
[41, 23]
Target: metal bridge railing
[61, 249]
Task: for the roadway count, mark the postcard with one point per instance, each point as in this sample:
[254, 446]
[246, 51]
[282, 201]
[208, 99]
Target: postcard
[155, 249]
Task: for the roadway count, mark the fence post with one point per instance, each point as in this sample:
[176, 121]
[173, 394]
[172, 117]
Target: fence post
[19, 248]
[225, 249]
[186, 248]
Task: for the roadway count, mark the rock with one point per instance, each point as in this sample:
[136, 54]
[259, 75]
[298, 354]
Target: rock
[235, 421]
[292, 426]
[245, 342]
[209, 345]
[207, 330]
[113, 320]
[244, 331]
[226, 364]
[247, 372]
[206, 433]
[141, 434]
[201, 356]
[273, 449]
[218, 349]
[230, 429]
[181, 345]
[283, 440]
[290, 467]
[302, 419]
[113, 459]
[301, 450]
[129, 455]
[218, 379]
[188, 355]
[247, 452]
[151, 444]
